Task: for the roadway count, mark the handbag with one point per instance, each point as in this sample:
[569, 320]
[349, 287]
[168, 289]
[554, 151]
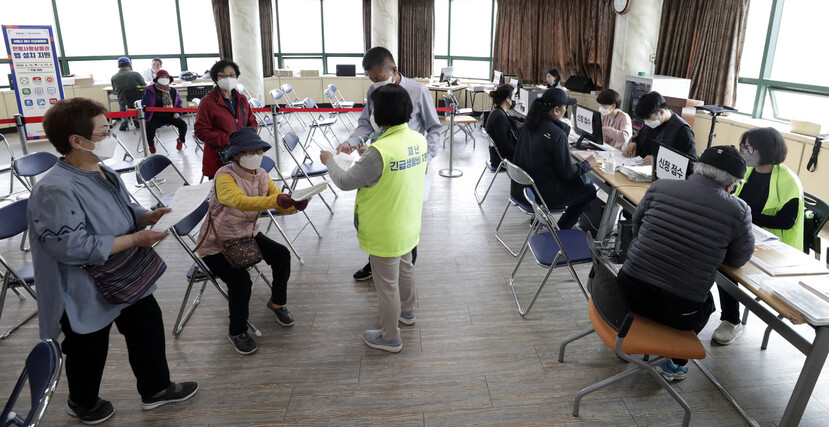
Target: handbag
[241, 252]
[126, 275]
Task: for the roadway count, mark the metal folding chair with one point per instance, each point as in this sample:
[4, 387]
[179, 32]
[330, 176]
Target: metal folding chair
[262, 119]
[277, 95]
[336, 100]
[324, 125]
[25, 169]
[7, 168]
[127, 163]
[628, 334]
[488, 166]
[42, 372]
[516, 173]
[156, 140]
[14, 223]
[303, 169]
[296, 102]
[551, 249]
[199, 143]
[198, 271]
[149, 169]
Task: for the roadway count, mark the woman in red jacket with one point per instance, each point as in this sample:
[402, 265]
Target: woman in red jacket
[221, 112]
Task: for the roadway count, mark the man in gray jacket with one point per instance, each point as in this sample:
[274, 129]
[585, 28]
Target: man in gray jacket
[683, 231]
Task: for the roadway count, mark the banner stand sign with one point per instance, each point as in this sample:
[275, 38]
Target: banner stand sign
[35, 71]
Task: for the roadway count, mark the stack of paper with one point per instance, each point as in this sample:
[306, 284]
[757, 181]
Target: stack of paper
[779, 259]
[306, 193]
[345, 161]
[638, 173]
[813, 308]
[761, 235]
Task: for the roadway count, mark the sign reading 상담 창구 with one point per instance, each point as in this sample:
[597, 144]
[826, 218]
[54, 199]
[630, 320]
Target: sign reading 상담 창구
[34, 66]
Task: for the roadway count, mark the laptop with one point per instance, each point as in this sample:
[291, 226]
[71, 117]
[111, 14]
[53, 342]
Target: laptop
[346, 70]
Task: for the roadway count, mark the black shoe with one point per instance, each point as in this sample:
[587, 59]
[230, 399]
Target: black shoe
[123, 126]
[244, 344]
[99, 413]
[363, 273]
[283, 316]
[174, 393]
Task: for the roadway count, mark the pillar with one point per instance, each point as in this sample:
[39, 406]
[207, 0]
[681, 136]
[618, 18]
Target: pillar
[635, 41]
[384, 16]
[245, 40]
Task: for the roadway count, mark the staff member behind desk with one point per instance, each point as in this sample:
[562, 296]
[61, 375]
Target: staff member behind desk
[80, 216]
[221, 111]
[553, 79]
[380, 67]
[500, 126]
[161, 95]
[544, 153]
[616, 127]
[662, 126]
[243, 190]
[387, 212]
[682, 232]
[775, 196]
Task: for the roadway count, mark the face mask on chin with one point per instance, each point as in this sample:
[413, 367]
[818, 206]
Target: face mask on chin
[104, 149]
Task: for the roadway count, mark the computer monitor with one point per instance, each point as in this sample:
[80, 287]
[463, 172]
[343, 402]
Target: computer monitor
[588, 125]
[515, 83]
[446, 74]
[346, 70]
[497, 78]
[669, 163]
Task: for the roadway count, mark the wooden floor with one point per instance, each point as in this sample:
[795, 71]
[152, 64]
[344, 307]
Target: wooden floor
[469, 359]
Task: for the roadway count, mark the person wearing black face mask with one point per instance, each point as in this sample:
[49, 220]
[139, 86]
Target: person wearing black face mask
[500, 126]
[775, 195]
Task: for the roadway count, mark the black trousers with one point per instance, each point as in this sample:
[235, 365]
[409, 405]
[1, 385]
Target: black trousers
[86, 354]
[577, 205]
[239, 283]
[160, 119]
[666, 308]
[729, 307]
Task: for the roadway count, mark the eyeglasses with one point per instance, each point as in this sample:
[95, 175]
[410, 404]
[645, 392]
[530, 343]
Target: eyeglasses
[222, 76]
[102, 134]
[746, 149]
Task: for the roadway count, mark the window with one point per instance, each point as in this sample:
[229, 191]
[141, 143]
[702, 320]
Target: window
[343, 25]
[781, 67]
[90, 27]
[463, 37]
[20, 13]
[151, 27]
[198, 27]
[300, 26]
[100, 70]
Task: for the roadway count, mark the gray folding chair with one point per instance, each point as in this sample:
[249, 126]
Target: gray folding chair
[199, 272]
[149, 168]
[336, 102]
[127, 163]
[521, 177]
[199, 143]
[293, 101]
[305, 170]
[488, 166]
[323, 125]
[278, 95]
[25, 169]
[14, 223]
[262, 119]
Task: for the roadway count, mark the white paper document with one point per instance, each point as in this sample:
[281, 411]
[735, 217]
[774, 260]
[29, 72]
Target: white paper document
[761, 235]
[186, 200]
[345, 161]
[307, 193]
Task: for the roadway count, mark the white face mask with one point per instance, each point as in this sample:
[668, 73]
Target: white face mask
[374, 124]
[384, 82]
[653, 124]
[163, 82]
[604, 111]
[104, 149]
[227, 83]
[251, 161]
[752, 160]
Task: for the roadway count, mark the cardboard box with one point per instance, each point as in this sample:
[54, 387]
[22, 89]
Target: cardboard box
[284, 73]
[84, 80]
[805, 128]
[309, 73]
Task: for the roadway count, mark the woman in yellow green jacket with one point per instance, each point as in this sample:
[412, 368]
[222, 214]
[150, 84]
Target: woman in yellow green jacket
[775, 196]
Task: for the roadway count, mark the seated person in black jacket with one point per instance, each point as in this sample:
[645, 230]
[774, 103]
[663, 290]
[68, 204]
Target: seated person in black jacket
[553, 78]
[500, 126]
[544, 153]
[662, 126]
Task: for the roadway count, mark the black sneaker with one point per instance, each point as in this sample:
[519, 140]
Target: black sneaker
[174, 393]
[244, 344]
[99, 413]
[123, 126]
[283, 316]
[363, 273]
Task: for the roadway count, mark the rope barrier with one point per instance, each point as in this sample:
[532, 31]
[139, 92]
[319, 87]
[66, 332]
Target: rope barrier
[133, 113]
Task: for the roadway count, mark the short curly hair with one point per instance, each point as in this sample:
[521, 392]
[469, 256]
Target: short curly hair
[71, 117]
[221, 65]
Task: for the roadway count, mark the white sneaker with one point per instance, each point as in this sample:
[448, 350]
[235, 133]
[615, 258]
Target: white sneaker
[727, 332]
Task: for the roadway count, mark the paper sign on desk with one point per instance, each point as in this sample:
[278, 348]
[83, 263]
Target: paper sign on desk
[187, 199]
[669, 164]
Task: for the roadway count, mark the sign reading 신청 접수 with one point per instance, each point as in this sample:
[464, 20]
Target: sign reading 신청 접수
[34, 66]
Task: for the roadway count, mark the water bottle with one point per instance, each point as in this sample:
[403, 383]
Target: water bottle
[610, 165]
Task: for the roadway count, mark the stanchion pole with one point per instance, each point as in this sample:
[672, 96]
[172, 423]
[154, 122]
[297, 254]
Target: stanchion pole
[276, 135]
[20, 123]
[143, 125]
[451, 172]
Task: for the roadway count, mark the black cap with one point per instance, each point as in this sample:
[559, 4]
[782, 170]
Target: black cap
[727, 158]
[244, 139]
[556, 97]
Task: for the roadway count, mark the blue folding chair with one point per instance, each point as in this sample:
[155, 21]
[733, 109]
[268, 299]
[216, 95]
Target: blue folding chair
[268, 164]
[32, 165]
[263, 120]
[149, 168]
[13, 223]
[296, 102]
[278, 95]
[198, 271]
[127, 164]
[42, 372]
[331, 94]
[521, 177]
[325, 126]
[551, 249]
[7, 168]
[488, 166]
[304, 169]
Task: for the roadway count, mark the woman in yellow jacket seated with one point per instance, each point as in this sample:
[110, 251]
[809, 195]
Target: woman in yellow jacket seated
[775, 196]
[243, 190]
